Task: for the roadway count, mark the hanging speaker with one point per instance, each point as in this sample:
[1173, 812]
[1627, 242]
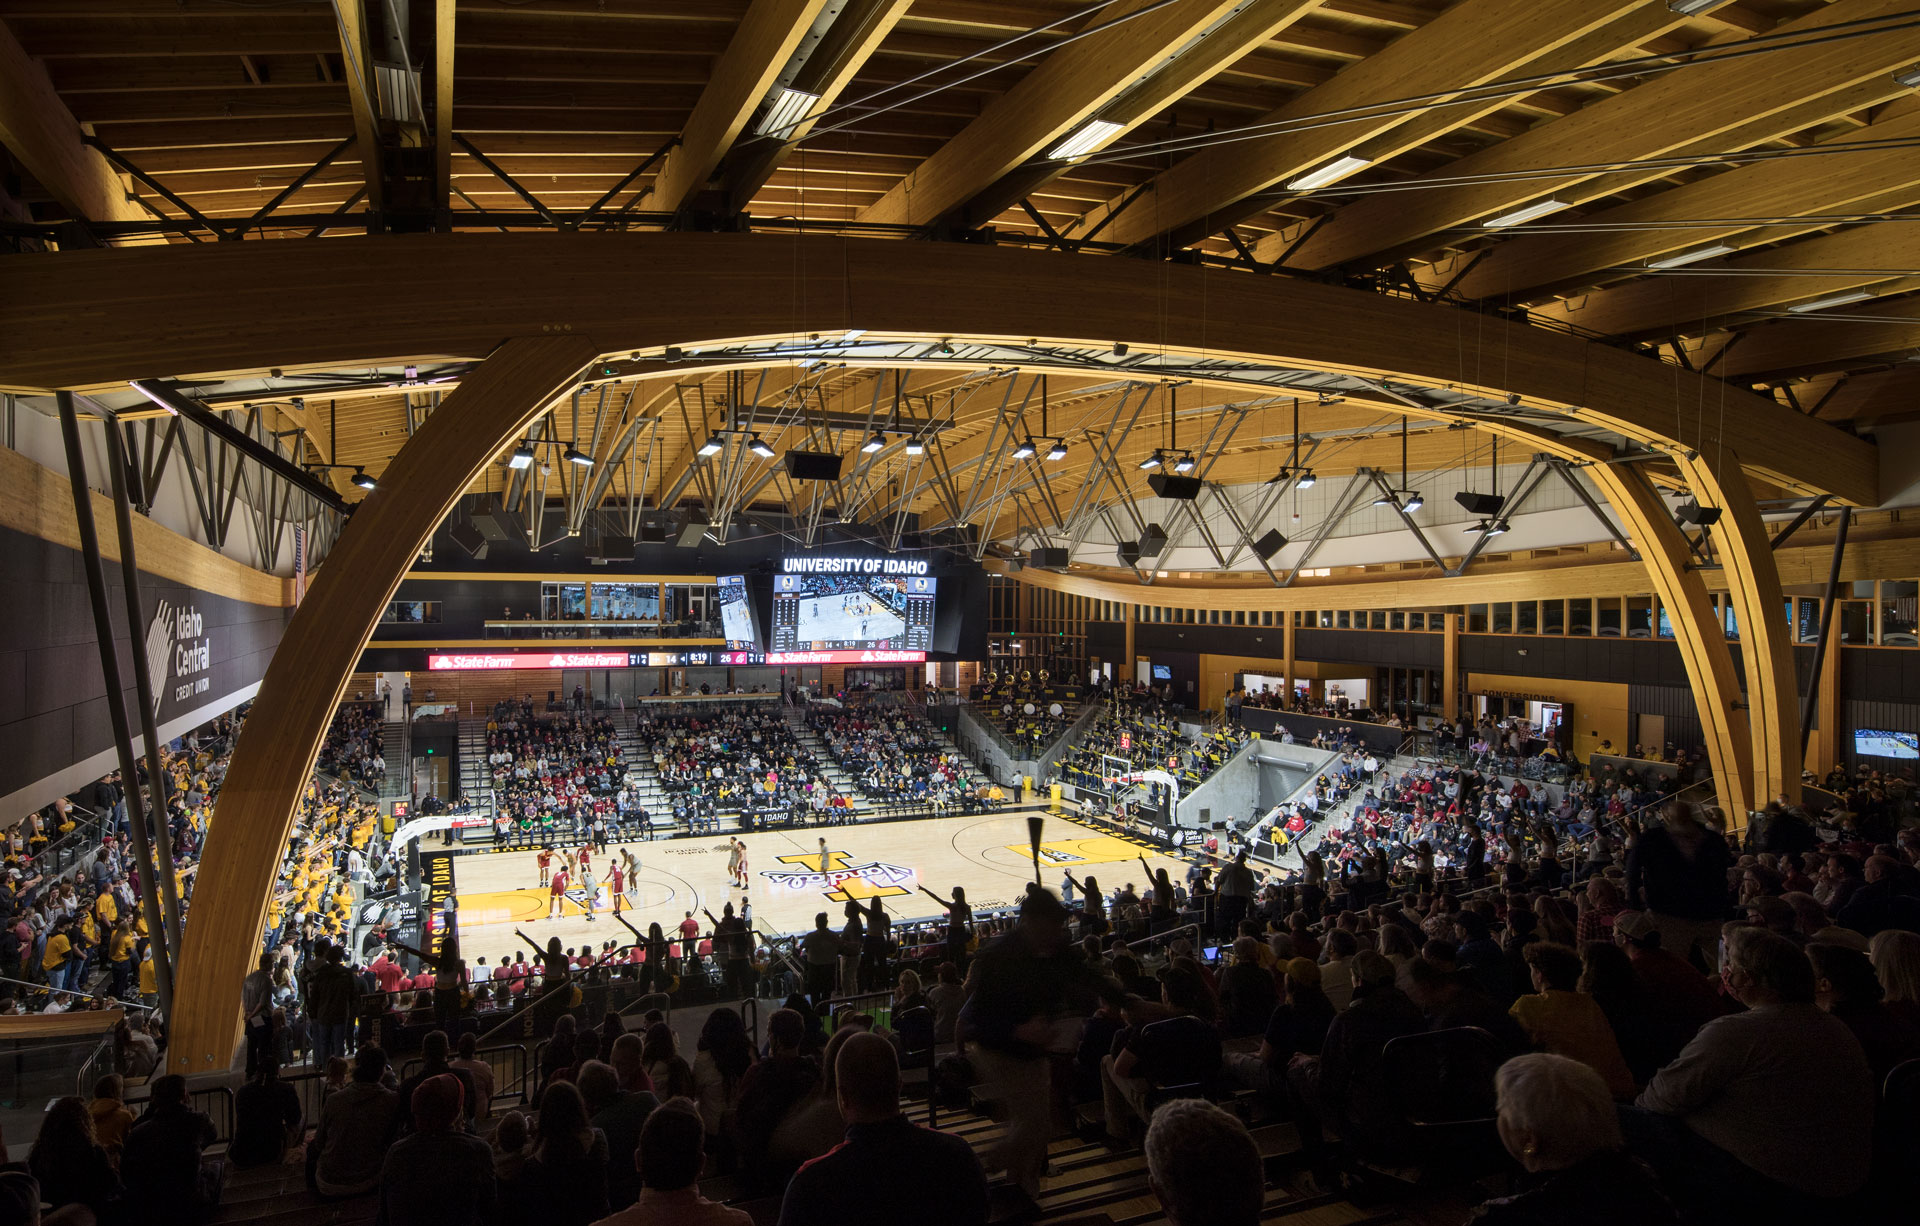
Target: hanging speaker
[692, 532]
[1050, 558]
[1269, 545]
[468, 537]
[1483, 505]
[813, 466]
[1153, 541]
[1129, 553]
[1167, 485]
[612, 549]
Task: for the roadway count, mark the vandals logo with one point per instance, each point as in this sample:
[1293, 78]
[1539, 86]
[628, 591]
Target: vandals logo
[841, 880]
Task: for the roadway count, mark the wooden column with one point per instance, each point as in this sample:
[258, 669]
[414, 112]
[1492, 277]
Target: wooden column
[1745, 550]
[1286, 647]
[1827, 748]
[1702, 641]
[1450, 669]
[313, 665]
[1126, 668]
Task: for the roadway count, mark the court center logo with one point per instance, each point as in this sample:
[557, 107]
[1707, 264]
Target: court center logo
[841, 880]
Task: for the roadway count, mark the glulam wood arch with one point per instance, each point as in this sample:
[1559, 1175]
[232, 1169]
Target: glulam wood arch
[545, 305]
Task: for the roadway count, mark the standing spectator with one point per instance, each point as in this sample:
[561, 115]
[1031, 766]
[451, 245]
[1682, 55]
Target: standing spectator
[333, 998]
[670, 1158]
[356, 1126]
[621, 1115]
[479, 1072]
[438, 1176]
[721, 1059]
[1203, 1165]
[162, 1165]
[1767, 1115]
[256, 1009]
[888, 1170]
[1677, 872]
[266, 1119]
[567, 1175]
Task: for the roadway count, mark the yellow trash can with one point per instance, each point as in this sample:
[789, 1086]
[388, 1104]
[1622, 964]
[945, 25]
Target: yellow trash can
[1053, 799]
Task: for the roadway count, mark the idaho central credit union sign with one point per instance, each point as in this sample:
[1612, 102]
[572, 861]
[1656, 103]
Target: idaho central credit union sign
[179, 654]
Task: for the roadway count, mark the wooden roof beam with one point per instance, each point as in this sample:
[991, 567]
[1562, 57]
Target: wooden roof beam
[1064, 91]
[1711, 107]
[761, 47]
[1811, 343]
[443, 44]
[1527, 267]
[357, 65]
[43, 134]
[852, 39]
[1205, 191]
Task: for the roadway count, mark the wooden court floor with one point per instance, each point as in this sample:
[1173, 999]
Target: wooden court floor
[988, 855]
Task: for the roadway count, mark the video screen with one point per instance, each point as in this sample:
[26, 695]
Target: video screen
[626, 602]
[852, 612]
[1162, 672]
[736, 614]
[1873, 744]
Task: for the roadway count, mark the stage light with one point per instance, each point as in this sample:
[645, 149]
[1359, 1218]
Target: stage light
[916, 446]
[713, 446]
[1057, 452]
[1152, 462]
[1184, 464]
[874, 444]
[1306, 480]
[789, 107]
[758, 446]
[1025, 450]
[573, 455]
[522, 457]
[362, 479]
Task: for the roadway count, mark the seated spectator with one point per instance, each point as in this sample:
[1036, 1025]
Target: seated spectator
[512, 1146]
[1176, 1048]
[620, 1115]
[1680, 999]
[1297, 1026]
[670, 1158]
[1896, 961]
[1247, 992]
[1767, 1115]
[67, 1159]
[356, 1126]
[1567, 1022]
[665, 1067]
[438, 1176]
[567, 1174]
[267, 1120]
[1557, 1119]
[433, 1062]
[479, 1073]
[1345, 1084]
[111, 1119]
[1450, 999]
[1203, 1165]
[1845, 986]
[162, 1165]
[889, 1170]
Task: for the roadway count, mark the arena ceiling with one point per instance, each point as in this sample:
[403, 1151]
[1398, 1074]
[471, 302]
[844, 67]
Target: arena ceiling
[1728, 187]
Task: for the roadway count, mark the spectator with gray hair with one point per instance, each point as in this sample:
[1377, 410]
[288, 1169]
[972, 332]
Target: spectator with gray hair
[1557, 1120]
[1203, 1165]
[1766, 1115]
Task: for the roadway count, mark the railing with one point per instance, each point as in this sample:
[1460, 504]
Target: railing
[509, 1074]
[78, 994]
[216, 1102]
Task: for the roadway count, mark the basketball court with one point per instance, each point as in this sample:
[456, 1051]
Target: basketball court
[986, 854]
[850, 618]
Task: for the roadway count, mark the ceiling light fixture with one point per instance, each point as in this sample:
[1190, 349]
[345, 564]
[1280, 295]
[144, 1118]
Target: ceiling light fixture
[854, 334]
[1693, 8]
[1820, 304]
[1692, 257]
[1338, 168]
[1539, 208]
[1910, 78]
[790, 106]
[1185, 463]
[522, 457]
[1025, 451]
[362, 479]
[713, 446]
[1153, 461]
[1057, 452]
[916, 446]
[874, 444]
[1413, 503]
[758, 446]
[573, 455]
[1085, 139]
[1306, 480]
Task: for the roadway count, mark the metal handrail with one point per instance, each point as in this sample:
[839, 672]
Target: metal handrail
[41, 987]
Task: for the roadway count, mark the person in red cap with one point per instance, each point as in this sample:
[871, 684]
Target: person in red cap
[439, 1176]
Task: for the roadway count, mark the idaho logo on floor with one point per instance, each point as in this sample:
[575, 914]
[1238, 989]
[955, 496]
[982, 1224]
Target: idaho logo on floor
[839, 879]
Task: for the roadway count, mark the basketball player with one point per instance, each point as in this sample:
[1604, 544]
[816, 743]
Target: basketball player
[557, 892]
[823, 855]
[631, 863]
[743, 866]
[616, 882]
[546, 865]
[591, 886]
[736, 853]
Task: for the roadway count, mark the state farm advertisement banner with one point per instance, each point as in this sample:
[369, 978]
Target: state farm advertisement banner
[439, 660]
[846, 657]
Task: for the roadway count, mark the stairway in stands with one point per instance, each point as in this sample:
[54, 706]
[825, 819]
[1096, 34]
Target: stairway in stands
[394, 747]
[836, 776]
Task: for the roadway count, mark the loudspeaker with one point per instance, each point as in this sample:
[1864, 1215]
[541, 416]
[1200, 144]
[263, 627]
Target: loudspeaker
[612, 549]
[469, 538]
[653, 534]
[1050, 558]
[1129, 553]
[1269, 545]
[502, 525]
[1167, 485]
[813, 466]
[1153, 541]
[692, 532]
[1483, 505]
[1693, 513]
